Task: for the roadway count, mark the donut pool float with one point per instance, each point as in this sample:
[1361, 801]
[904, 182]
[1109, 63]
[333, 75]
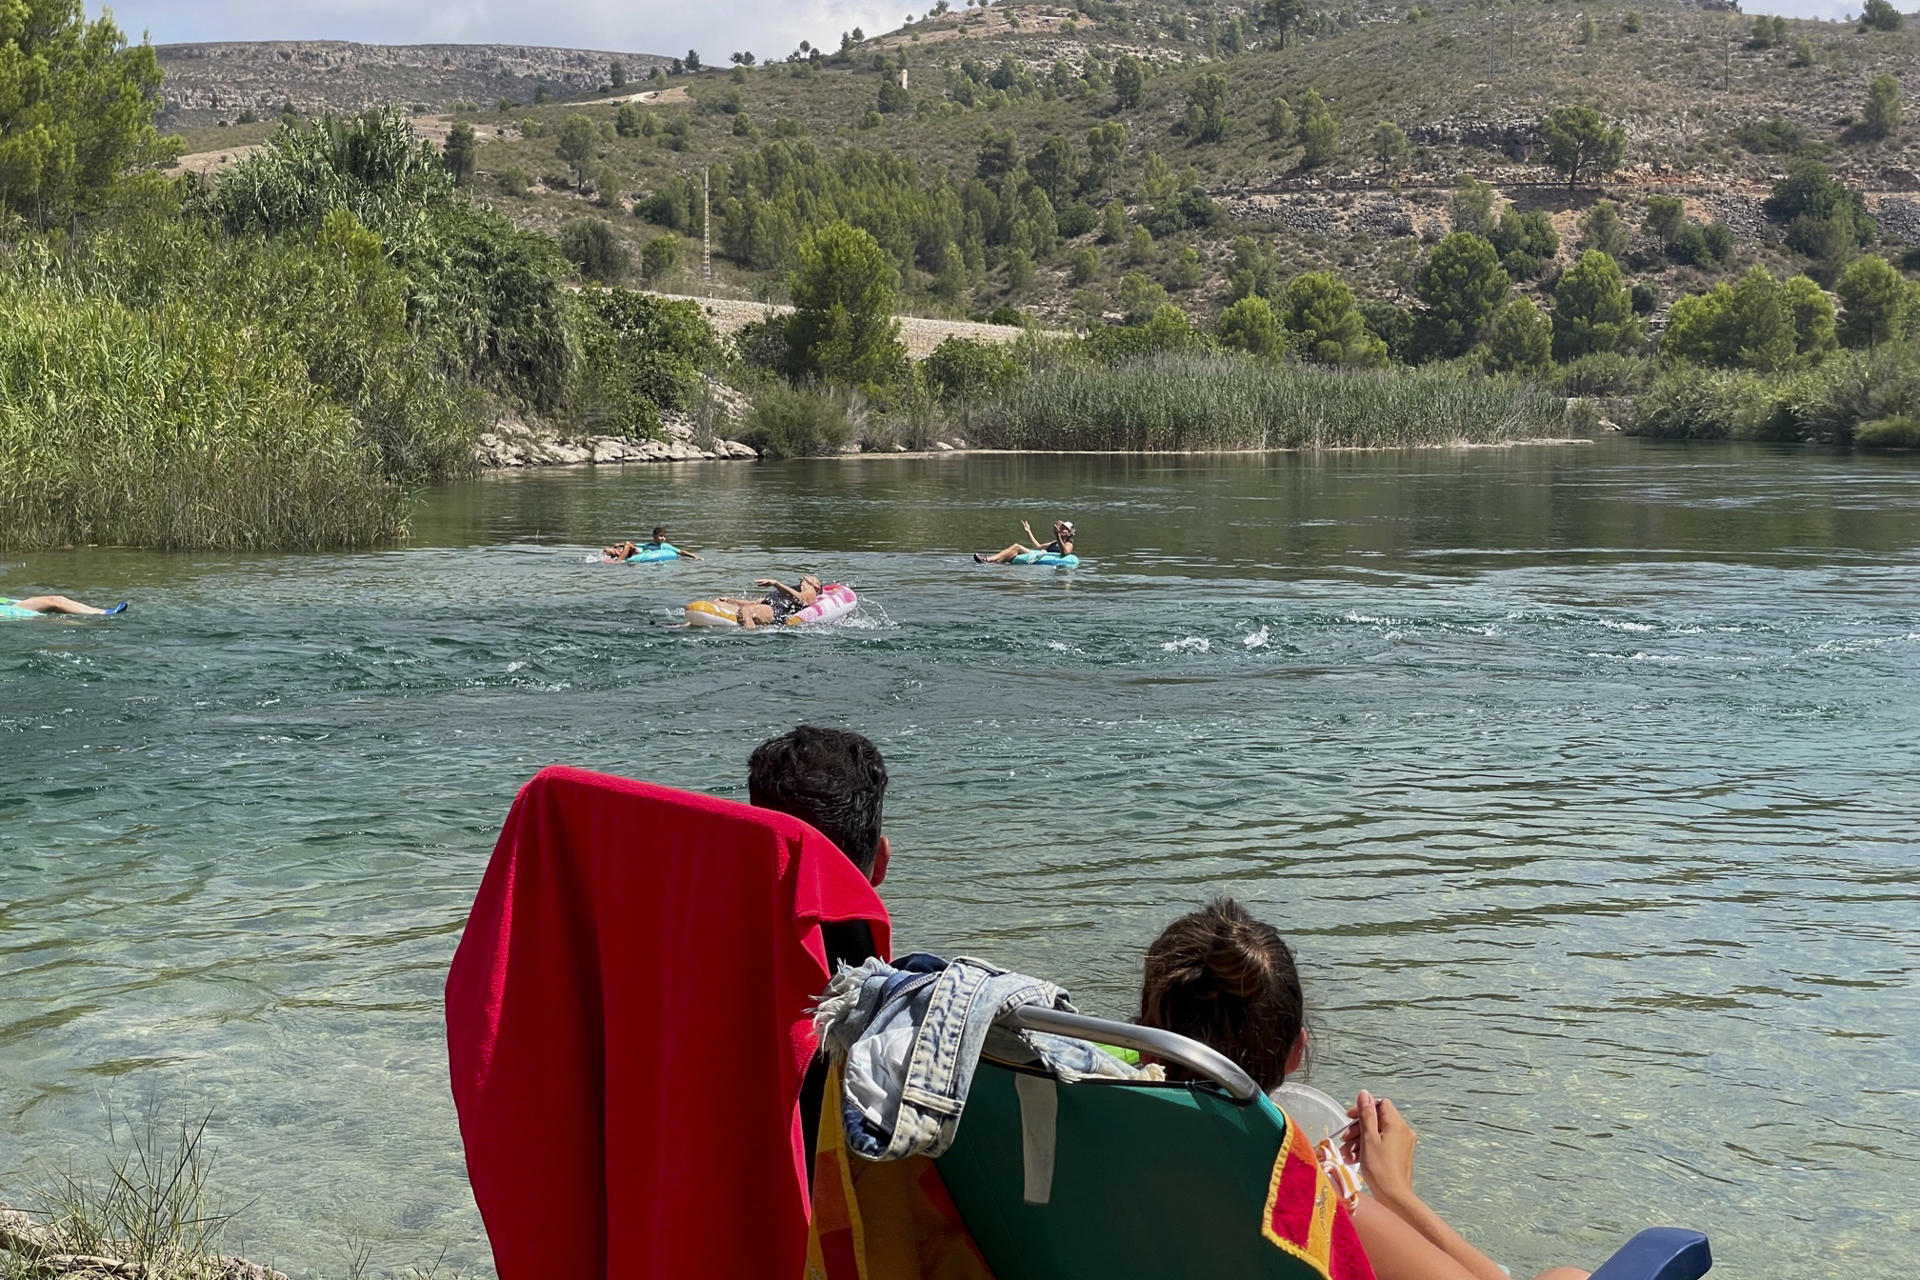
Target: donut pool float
[835, 601]
[1053, 558]
[648, 555]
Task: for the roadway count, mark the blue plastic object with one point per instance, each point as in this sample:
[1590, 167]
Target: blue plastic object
[1053, 558]
[1659, 1253]
[652, 555]
[8, 609]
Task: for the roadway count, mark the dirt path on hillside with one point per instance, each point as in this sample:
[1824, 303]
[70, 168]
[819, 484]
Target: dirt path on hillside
[921, 335]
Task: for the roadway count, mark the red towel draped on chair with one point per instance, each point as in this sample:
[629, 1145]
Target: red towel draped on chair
[628, 1025]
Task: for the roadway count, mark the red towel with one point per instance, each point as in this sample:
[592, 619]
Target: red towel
[628, 1024]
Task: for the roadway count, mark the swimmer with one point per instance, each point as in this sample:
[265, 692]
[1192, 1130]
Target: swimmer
[1223, 978]
[628, 550]
[1062, 545]
[776, 606]
[58, 604]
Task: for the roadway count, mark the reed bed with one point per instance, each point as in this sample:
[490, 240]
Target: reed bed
[1866, 398]
[1175, 403]
[167, 428]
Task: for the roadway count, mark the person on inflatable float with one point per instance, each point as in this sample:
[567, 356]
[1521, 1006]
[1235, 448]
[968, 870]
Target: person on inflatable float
[54, 604]
[628, 550]
[1062, 545]
[777, 606]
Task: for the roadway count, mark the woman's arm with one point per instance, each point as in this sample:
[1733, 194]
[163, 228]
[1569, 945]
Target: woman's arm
[778, 586]
[1399, 1252]
[1383, 1141]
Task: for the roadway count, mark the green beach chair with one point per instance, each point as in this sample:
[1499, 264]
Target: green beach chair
[1106, 1180]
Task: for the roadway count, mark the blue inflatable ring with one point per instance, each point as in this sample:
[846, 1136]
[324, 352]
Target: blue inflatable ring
[1053, 558]
[653, 555]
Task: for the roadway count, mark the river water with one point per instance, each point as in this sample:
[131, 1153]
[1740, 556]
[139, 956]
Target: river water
[1583, 779]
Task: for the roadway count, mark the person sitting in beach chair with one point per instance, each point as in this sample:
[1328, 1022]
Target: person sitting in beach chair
[1023, 1149]
[1062, 545]
[1223, 978]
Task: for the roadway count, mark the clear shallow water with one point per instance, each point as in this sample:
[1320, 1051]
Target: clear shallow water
[1582, 778]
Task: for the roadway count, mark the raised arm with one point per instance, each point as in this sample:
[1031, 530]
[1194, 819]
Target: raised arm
[779, 586]
[1383, 1141]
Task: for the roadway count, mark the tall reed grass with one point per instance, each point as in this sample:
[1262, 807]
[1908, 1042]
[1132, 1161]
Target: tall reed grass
[168, 428]
[1171, 403]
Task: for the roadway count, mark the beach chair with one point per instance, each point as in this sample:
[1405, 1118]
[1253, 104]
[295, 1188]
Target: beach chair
[1104, 1180]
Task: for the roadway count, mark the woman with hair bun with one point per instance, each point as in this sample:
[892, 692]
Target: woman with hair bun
[1223, 978]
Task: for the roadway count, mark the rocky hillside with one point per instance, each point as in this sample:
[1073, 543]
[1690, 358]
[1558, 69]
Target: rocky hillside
[207, 83]
[1714, 106]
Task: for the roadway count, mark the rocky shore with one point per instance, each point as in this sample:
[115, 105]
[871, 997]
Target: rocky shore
[44, 1250]
[515, 443]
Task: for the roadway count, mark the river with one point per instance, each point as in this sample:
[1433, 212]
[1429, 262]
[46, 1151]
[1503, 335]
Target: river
[1582, 777]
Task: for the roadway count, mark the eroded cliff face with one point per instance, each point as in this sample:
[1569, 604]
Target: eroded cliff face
[209, 82]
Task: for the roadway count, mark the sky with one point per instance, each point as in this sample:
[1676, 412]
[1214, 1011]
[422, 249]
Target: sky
[714, 27]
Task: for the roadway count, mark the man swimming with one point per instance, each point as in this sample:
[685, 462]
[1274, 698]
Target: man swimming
[776, 606]
[1062, 545]
[628, 550]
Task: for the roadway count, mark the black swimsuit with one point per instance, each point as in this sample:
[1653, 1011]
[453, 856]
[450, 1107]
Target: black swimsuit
[783, 605]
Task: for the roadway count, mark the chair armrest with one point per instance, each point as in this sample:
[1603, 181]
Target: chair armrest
[1659, 1253]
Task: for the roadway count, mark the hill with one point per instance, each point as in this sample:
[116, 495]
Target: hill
[903, 132]
[209, 83]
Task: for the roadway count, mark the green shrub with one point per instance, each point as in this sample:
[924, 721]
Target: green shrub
[967, 368]
[1831, 403]
[800, 422]
[639, 355]
[1899, 431]
[513, 181]
[595, 248]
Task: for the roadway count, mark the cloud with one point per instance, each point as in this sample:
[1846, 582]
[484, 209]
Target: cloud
[769, 28]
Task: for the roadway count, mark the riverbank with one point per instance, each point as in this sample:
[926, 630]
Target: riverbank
[513, 443]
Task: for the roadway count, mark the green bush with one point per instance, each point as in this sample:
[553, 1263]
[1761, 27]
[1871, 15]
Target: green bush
[1899, 431]
[967, 368]
[640, 355]
[800, 422]
[1831, 403]
[596, 249]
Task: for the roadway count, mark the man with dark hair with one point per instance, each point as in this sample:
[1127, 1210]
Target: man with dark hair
[832, 780]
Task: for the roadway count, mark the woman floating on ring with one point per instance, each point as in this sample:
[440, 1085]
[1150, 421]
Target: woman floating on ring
[1062, 545]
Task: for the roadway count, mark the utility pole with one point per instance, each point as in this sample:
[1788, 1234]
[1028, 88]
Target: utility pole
[706, 227]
